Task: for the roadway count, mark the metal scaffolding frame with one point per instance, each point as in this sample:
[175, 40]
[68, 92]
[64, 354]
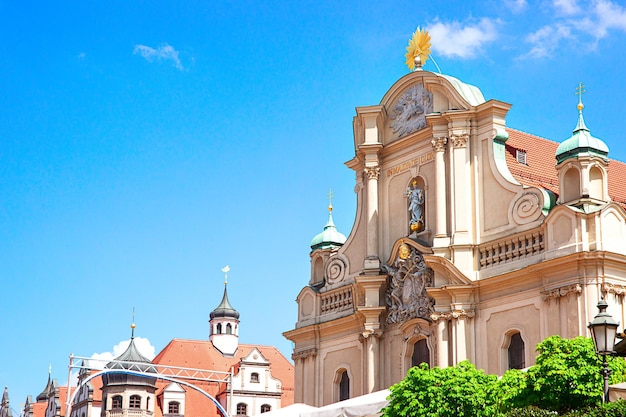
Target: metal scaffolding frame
[175, 374]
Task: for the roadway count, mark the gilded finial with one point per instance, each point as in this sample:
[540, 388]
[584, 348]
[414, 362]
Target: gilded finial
[418, 49]
[132, 326]
[330, 200]
[225, 271]
[579, 92]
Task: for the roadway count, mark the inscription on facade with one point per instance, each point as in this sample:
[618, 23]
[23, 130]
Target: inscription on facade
[405, 166]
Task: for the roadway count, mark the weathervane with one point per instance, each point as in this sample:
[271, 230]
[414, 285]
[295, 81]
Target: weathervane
[417, 50]
[225, 271]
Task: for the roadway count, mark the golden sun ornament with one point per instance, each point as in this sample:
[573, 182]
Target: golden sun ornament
[418, 49]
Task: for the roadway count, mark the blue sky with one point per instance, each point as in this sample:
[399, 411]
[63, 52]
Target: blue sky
[144, 145]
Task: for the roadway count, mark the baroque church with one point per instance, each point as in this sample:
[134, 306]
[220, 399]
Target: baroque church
[472, 240]
[253, 379]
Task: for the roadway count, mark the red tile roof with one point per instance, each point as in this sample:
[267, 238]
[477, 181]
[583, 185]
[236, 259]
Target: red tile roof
[540, 167]
[201, 354]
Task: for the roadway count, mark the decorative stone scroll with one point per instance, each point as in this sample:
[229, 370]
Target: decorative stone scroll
[409, 112]
[336, 269]
[406, 296]
[618, 290]
[303, 354]
[439, 144]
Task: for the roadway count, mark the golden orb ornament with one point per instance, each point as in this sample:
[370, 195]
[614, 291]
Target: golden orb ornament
[418, 49]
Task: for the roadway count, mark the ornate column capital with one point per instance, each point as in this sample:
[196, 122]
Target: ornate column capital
[439, 144]
[460, 141]
[373, 333]
[372, 172]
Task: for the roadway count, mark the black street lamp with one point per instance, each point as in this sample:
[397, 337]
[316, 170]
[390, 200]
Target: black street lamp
[603, 330]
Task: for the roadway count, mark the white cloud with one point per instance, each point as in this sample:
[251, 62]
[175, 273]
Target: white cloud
[582, 27]
[566, 7]
[143, 345]
[164, 52]
[456, 39]
[546, 40]
[516, 6]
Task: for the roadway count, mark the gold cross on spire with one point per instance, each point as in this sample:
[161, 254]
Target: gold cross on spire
[580, 90]
[330, 200]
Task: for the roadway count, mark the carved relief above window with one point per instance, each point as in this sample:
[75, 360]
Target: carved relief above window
[406, 296]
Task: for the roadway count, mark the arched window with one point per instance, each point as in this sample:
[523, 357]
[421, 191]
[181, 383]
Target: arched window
[344, 386]
[229, 329]
[116, 402]
[254, 377]
[242, 409]
[421, 353]
[173, 407]
[219, 328]
[135, 402]
[516, 352]
[266, 408]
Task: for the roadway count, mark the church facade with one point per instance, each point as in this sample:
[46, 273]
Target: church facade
[471, 241]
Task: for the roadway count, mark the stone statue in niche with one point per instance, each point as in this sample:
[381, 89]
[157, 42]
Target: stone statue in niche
[409, 112]
[406, 295]
[415, 195]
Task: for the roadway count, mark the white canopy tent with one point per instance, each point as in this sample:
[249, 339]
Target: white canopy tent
[365, 405]
[293, 410]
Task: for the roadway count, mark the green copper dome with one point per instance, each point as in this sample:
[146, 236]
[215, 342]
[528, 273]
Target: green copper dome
[330, 237]
[581, 142]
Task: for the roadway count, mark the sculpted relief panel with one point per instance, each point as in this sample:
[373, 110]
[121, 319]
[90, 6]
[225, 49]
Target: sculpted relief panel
[406, 296]
[409, 113]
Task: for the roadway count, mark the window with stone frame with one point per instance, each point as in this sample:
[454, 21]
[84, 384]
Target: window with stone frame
[421, 353]
[344, 386]
[242, 409]
[516, 352]
[116, 402]
[135, 402]
[173, 407]
[254, 377]
[266, 408]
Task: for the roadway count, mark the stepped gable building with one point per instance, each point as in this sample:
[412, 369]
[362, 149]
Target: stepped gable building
[472, 241]
[262, 379]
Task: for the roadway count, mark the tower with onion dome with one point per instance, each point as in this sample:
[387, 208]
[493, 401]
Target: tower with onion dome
[224, 323]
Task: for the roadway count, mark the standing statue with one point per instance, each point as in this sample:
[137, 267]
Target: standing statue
[416, 207]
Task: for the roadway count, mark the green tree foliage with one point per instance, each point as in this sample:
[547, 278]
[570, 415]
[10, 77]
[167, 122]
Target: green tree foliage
[460, 390]
[566, 375]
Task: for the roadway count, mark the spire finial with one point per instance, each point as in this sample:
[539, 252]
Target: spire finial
[225, 271]
[330, 200]
[132, 325]
[50, 369]
[579, 92]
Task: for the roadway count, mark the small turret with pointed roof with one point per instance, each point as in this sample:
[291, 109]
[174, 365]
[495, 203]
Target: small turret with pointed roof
[131, 359]
[224, 323]
[5, 408]
[581, 142]
[582, 163]
[43, 395]
[330, 237]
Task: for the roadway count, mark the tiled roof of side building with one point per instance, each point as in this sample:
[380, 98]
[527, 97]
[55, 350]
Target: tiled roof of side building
[540, 167]
[201, 354]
